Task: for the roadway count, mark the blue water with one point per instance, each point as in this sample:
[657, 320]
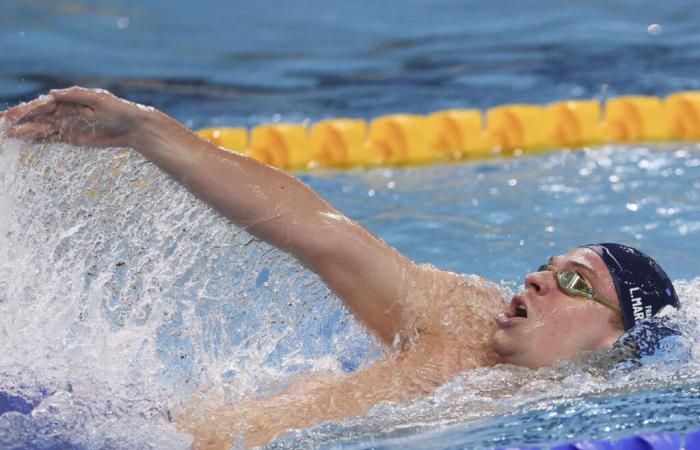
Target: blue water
[250, 62]
[121, 295]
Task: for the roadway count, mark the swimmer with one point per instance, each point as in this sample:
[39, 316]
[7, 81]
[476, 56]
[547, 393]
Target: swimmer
[435, 324]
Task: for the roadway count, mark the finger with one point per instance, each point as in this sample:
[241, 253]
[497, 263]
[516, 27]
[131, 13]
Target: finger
[42, 109]
[52, 138]
[75, 94]
[20, 111]
[31, 131]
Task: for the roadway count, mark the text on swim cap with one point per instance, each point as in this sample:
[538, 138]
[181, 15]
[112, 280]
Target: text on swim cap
[640, 312]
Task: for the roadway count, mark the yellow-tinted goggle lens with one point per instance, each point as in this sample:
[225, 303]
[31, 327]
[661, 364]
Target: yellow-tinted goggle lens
[573, 283]
[569, 281]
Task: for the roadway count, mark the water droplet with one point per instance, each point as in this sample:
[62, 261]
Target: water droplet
[578, 91]
[655, 29]
[123, 22]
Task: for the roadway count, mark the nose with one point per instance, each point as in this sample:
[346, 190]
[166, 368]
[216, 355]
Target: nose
[539, 282]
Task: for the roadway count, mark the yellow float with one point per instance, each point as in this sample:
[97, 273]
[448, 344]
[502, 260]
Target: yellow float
[456, 134]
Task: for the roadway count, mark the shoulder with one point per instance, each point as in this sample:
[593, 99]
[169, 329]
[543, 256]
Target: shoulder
[448, 302]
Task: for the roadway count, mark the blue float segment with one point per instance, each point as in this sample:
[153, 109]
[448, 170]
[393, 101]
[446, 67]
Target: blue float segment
[585, 445]
[692, 440]
[651, 441]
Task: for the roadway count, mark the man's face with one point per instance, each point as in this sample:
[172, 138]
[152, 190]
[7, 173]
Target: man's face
[543, 325]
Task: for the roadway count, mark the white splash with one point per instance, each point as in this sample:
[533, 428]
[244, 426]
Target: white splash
[121, 294]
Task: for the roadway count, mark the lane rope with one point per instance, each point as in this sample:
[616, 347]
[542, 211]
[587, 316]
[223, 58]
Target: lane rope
[466, 134]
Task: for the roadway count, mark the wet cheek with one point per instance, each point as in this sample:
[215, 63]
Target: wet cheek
[563, 322]
[538, 315]
[543, 319]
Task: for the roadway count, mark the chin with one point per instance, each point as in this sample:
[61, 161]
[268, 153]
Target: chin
[509, 352]
[504, 346]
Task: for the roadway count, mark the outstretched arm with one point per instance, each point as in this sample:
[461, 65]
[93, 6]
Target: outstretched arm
[366, 273]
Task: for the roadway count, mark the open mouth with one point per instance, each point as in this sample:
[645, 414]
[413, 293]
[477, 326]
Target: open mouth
[518, 308]
[513, 314]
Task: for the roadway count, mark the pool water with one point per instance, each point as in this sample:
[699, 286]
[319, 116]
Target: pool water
[122, 295]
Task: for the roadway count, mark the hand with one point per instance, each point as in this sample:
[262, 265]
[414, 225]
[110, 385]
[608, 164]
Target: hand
[77, 116]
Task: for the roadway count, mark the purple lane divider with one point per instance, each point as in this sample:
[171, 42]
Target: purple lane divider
[647, 441]
[585, 445]
[650, 441]
[692, 440]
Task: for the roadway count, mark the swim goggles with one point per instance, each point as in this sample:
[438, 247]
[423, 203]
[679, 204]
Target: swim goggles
[573, 283]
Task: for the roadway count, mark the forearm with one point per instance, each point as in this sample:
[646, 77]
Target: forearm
[270, 418]
[267, 202]
[322, 397]
[317, 398]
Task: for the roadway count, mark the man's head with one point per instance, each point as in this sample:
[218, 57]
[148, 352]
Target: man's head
[546, 323]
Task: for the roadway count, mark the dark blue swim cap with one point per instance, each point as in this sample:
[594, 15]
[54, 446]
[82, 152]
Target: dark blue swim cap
[643, 288]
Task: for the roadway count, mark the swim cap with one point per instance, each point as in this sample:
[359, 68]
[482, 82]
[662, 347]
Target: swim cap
[643, 288]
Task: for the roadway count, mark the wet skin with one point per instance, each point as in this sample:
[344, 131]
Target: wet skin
[435, 324]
